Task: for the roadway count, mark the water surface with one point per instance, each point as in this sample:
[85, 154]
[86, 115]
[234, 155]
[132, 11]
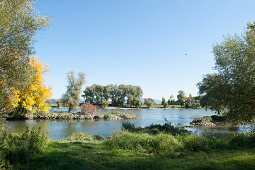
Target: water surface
[58, 129]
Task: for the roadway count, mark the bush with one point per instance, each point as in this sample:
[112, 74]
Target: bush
[82, 137]
[3, 126]
[17, 148]
[243, 140]
[127, 125]
[98, 137]
[89, 109]
[143, 142]
[155, 129]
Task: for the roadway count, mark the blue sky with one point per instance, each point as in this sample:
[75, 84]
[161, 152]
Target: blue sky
[138, 42]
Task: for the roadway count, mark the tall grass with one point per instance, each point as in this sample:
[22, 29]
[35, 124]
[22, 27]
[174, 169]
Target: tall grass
[144, 142]
[155, 128]
[167, 143]
[82, 137]
[16, 148]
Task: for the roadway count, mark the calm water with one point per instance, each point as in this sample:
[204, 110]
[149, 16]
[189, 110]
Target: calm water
[57, 129]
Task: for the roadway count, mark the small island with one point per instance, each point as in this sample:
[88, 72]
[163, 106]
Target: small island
[214, 120]
[71, 116]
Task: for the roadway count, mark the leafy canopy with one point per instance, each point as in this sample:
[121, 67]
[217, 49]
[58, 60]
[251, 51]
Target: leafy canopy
[232, 88]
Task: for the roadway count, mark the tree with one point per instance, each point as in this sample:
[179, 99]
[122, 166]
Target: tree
[34, 96]
[164, 103]
[58, 102]
[189, 102]
[18, 25]
[214, 92]
[171, 100]
[235, 77]
[95, 94]
[181, 98]
[71, 98]
[137, 102]
[130, 99]
[149, 102]
[105, 103]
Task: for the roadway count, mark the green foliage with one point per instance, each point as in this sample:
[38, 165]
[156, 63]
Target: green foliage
[166, 143]
[164, 103]
[137, 102]
[127, 150]
[105, 103]
[97, 155]
[171, 100]
[167, 128]
[3, 126]
[17, 148]
[71, 98]
[181, 98]
[83, 137]
[232, 88]
[149, 102]
[127, 125]
[98, 137]
[144, 142]
[80, 137]
[99, 95]
[212, 87]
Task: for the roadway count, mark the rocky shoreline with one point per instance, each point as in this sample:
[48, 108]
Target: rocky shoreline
[71, 116]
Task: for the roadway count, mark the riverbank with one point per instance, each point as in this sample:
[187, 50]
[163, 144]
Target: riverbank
[141, 151]
[153, 107]
[125, 106]
[90, 155]
[71, 116]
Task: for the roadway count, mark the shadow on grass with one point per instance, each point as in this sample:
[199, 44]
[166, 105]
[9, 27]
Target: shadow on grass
[78, 155]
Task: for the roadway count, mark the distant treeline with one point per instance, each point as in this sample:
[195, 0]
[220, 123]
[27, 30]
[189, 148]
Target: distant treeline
[118, 94]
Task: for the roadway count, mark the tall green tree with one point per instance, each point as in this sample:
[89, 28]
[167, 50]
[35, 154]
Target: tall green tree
[137, 102]
[118, 95]
[171, 100]
[71, 98]
[190, 102]
[235, 65]
[149, 102]
[181, 98]
[215, 92]
[164, 103]
[130, 99]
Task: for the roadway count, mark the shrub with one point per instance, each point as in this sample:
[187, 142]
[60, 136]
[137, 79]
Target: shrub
[198, 143]
[88, 108]
[155, 129]
[243, 140]
[17, 148]
[127, 125]
[3, 126]
[98, 137]
[79, 137]
[143, 142]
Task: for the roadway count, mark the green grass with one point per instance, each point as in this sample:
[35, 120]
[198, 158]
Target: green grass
[127, 150]
[96, 155]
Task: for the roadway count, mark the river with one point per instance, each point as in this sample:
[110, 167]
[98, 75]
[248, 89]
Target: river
[59, 129]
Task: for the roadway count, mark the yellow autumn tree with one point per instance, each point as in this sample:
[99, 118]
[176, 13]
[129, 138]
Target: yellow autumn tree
[33, 96]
